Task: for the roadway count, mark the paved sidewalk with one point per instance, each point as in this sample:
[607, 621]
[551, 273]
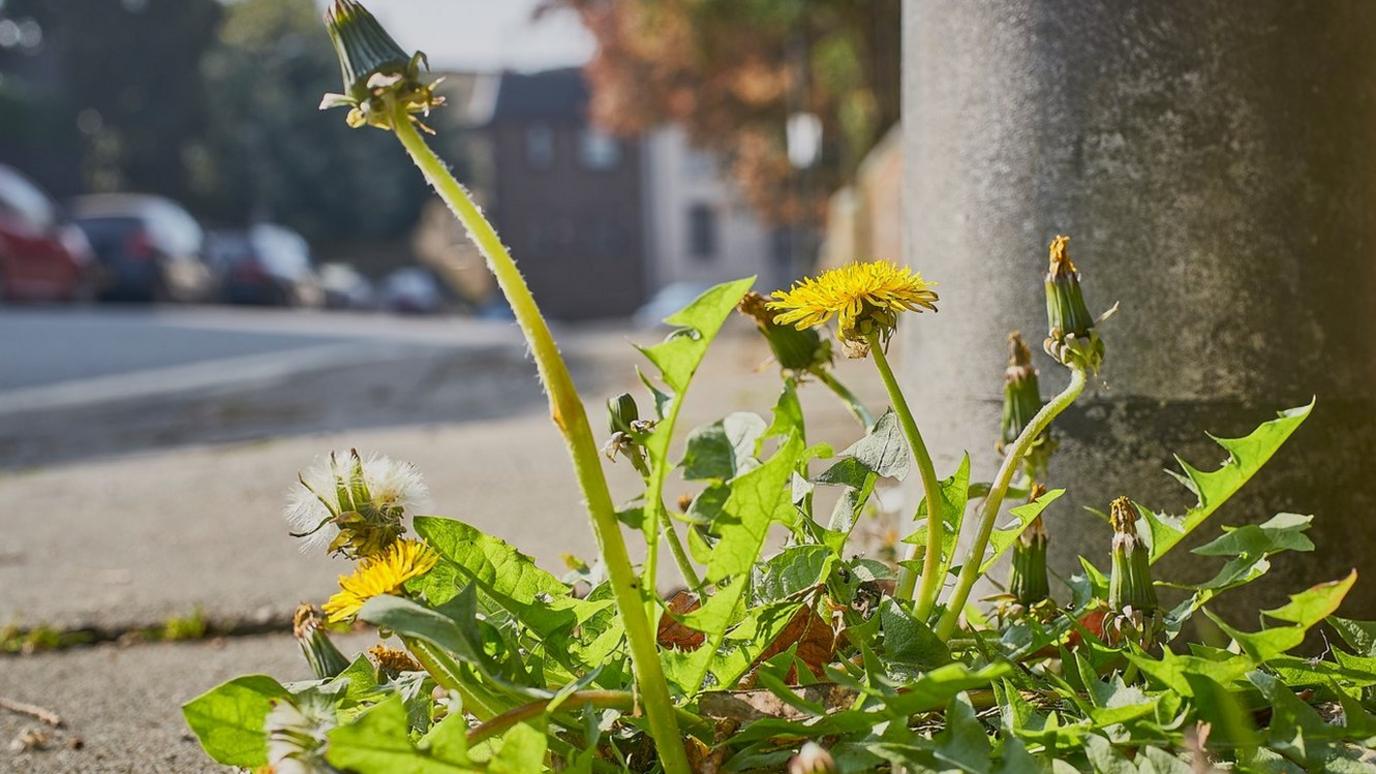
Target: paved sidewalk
[133, 540]
[124, 704]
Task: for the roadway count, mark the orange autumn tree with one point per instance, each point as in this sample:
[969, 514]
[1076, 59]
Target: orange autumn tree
[732, 71]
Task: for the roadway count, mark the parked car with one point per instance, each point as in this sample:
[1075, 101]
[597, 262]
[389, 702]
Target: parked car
[265, 264]
[43, 257]
[412, 291]
[346, 288]
[149, 248]
[666, 301]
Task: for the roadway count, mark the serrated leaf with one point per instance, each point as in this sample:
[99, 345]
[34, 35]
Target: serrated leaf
[954, 491]
[788, 414]
[506, 576]
[678, 356]
[378, 742]
[358, 680]
[1171, 670]
[1015, 759]
[1002, 538]
[883, 449]
[447, 740]
[1303, 611]
[1314, 603]
[677, 359]
[1282, 532]
[522, 751]
[1104, 758]
[1231, 721]
[722, 449]
[758, 499]
[409, 619]
[909, 641]
[228, 719]
[1162, 762]
[1361, 635]
[790, 571]
[1246, 456]
[963, 743]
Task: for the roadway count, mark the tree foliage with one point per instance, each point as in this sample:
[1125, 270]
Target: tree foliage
[732, 71]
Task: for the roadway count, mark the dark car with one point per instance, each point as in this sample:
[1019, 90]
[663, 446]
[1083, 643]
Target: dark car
[42, 257]
[412, 291]
[149, 248]
[265, 264]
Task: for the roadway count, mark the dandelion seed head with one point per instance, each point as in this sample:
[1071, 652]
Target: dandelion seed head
[314, 499]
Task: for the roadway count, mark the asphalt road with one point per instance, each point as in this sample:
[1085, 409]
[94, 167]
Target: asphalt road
[78, 383]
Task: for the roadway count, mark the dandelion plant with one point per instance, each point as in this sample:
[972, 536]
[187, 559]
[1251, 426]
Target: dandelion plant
[787, 647]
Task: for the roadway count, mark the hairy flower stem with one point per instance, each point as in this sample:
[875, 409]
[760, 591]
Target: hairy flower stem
[931, 490]
[566, 409]
[989, 509]
[448, 675]
[852, 403]
[685, 564]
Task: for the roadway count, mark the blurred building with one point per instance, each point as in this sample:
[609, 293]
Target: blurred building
[567, 198]
[865, 218]
[598, 223]
[698, 229]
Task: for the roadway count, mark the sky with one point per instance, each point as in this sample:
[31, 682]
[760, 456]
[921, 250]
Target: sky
[484, 35]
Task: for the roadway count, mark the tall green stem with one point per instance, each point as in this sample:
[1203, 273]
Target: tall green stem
[989, 509]
[931, 490]
[681, 558]
[566, 409]
[852, 403]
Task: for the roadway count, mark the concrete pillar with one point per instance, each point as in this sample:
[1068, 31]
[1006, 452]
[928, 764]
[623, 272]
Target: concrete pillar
[1214, 162]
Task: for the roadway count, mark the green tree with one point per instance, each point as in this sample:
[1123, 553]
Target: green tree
[268, 152]
[733, 71]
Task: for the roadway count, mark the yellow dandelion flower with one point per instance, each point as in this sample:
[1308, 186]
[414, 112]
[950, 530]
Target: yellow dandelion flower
[866, 298]
[380, 574]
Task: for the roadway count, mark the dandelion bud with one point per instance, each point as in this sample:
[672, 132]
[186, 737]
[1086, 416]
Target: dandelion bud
[1129, 585]
[325, 659]
[796, 350]
[1021, 401]
[812, 758]
[378, 73]
[622, 414]
[1028, 582]
[1071, 335]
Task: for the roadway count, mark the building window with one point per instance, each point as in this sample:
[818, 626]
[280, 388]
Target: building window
[598, 150]
[539, 146]
[702, 232]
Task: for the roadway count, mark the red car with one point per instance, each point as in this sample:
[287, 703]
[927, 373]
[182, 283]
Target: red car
[42, 257]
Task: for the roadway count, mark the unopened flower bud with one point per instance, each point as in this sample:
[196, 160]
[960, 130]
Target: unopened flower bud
[622, 413]
[812, 758]
[796, 350]
[1021, 401]
[378, 74]
[325, 659]
[1028, 582]
[1071, 336]
[1130, 585]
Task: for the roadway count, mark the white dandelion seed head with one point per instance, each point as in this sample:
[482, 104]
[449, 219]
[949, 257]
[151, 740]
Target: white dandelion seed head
[396, 484]
[296, 739]
[391, 484]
